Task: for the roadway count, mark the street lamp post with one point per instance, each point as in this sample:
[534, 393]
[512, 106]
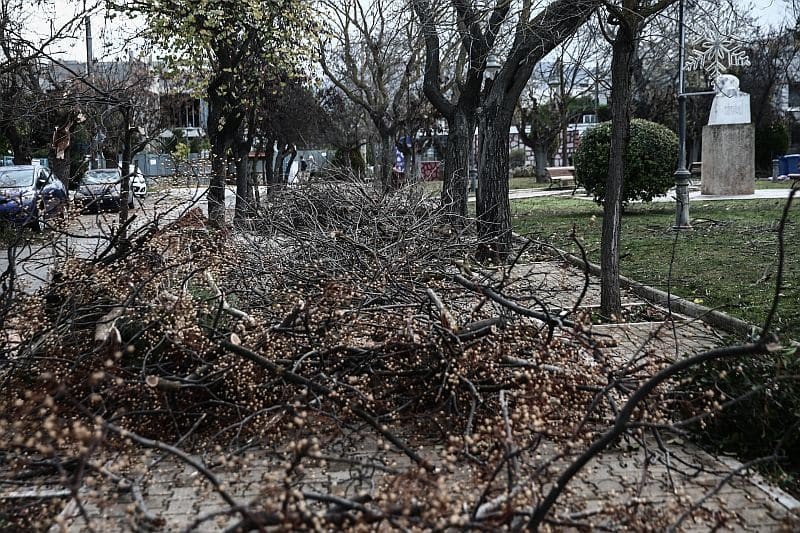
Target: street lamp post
[682, 174]
[490, 70]
[492, 67]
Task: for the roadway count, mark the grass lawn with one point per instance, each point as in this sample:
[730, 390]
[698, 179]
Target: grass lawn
[766, 184]
[728, 261]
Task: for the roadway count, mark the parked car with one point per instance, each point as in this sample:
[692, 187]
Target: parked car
[30, 194]
[101, 189]
[138, 182]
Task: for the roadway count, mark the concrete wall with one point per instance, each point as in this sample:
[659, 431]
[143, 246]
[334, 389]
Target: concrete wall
[728, 159]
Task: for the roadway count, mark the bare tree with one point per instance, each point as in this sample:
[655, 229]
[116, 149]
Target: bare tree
[373, 56]
[574, 81]
[227, 43]
[29, 110]
[533, 34]
[626, 19]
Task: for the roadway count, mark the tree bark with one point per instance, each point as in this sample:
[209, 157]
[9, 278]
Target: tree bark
[563, 135]
[534, 38]
[216, 185]
[269, 163]
[60, 167]
[492, 203]
[541, 153]
[277, 167]
[288, 170]
[219, 150]
[622, 50]
[455, 180]
[125, 186]
[388, 182]
[244, 196]
[540, 139]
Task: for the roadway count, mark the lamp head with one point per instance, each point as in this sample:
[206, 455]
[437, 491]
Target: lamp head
[492, 66]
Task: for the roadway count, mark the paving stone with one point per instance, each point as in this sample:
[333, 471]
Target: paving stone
[184, 507]
[746, 504]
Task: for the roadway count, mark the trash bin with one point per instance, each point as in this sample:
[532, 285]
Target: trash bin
[789, 166]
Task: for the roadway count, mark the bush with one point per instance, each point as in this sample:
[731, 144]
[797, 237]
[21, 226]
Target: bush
[767, 413]
[772, 140]
[349, 158]
[181, 152]
[649, 163]
[516, 157]
[523, 172]
[198, 144]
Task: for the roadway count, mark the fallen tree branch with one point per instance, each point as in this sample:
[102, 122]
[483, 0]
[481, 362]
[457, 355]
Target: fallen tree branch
[318, 388]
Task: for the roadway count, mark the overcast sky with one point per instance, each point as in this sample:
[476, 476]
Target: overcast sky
[768, 12]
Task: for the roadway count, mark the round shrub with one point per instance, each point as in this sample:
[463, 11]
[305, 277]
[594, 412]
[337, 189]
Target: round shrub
[516, 157]
[649, 164]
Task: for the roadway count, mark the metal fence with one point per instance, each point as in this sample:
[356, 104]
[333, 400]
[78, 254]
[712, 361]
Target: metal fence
[164, 165]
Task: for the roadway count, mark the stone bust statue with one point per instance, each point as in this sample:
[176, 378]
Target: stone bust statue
[730, 105]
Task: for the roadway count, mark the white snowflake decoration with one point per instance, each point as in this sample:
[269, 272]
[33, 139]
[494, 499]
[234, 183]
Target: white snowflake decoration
[715, 53]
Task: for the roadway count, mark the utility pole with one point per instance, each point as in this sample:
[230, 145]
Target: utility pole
[682, 175]
[88, 24]
[597, 91]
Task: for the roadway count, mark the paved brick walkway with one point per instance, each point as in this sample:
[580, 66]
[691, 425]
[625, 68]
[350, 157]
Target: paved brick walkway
[640, 478]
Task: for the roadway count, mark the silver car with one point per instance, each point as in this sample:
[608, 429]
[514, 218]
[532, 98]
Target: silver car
[101, 189]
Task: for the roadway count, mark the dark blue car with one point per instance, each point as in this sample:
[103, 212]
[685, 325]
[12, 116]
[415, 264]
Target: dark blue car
[29, 194]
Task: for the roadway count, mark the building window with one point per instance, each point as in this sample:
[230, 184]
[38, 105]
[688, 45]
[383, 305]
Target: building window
[794, 94]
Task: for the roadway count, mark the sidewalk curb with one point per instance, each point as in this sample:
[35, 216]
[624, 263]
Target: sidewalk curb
[677, 304]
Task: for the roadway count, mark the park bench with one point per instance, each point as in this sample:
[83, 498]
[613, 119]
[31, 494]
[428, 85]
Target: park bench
[696, 170]
[562, 176]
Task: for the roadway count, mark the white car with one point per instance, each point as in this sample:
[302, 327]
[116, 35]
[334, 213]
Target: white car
[138, 182]
[100, 188]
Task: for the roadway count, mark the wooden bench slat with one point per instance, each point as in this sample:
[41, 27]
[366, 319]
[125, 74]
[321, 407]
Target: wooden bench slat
[562, 176]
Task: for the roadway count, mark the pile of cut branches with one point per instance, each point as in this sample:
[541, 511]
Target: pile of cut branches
[340, 311]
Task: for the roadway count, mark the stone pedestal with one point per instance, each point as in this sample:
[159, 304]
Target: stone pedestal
[728, 159]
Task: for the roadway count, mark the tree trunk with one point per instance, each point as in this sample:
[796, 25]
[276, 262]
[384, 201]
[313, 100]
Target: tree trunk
[694, 152]
[623, 48]
[411, 163]
[216, 185]
[60, 167]
[219, 149]
[277, 168]
[456, 165]
[288, 168]
[388, 183]
[125, 186]
[541, 155]
[269, 162]
[492, 204]
[254, 186]
[110, 156]
[244, 196]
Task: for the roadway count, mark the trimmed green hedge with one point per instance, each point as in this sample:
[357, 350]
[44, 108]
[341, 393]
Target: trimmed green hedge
[649, 164]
